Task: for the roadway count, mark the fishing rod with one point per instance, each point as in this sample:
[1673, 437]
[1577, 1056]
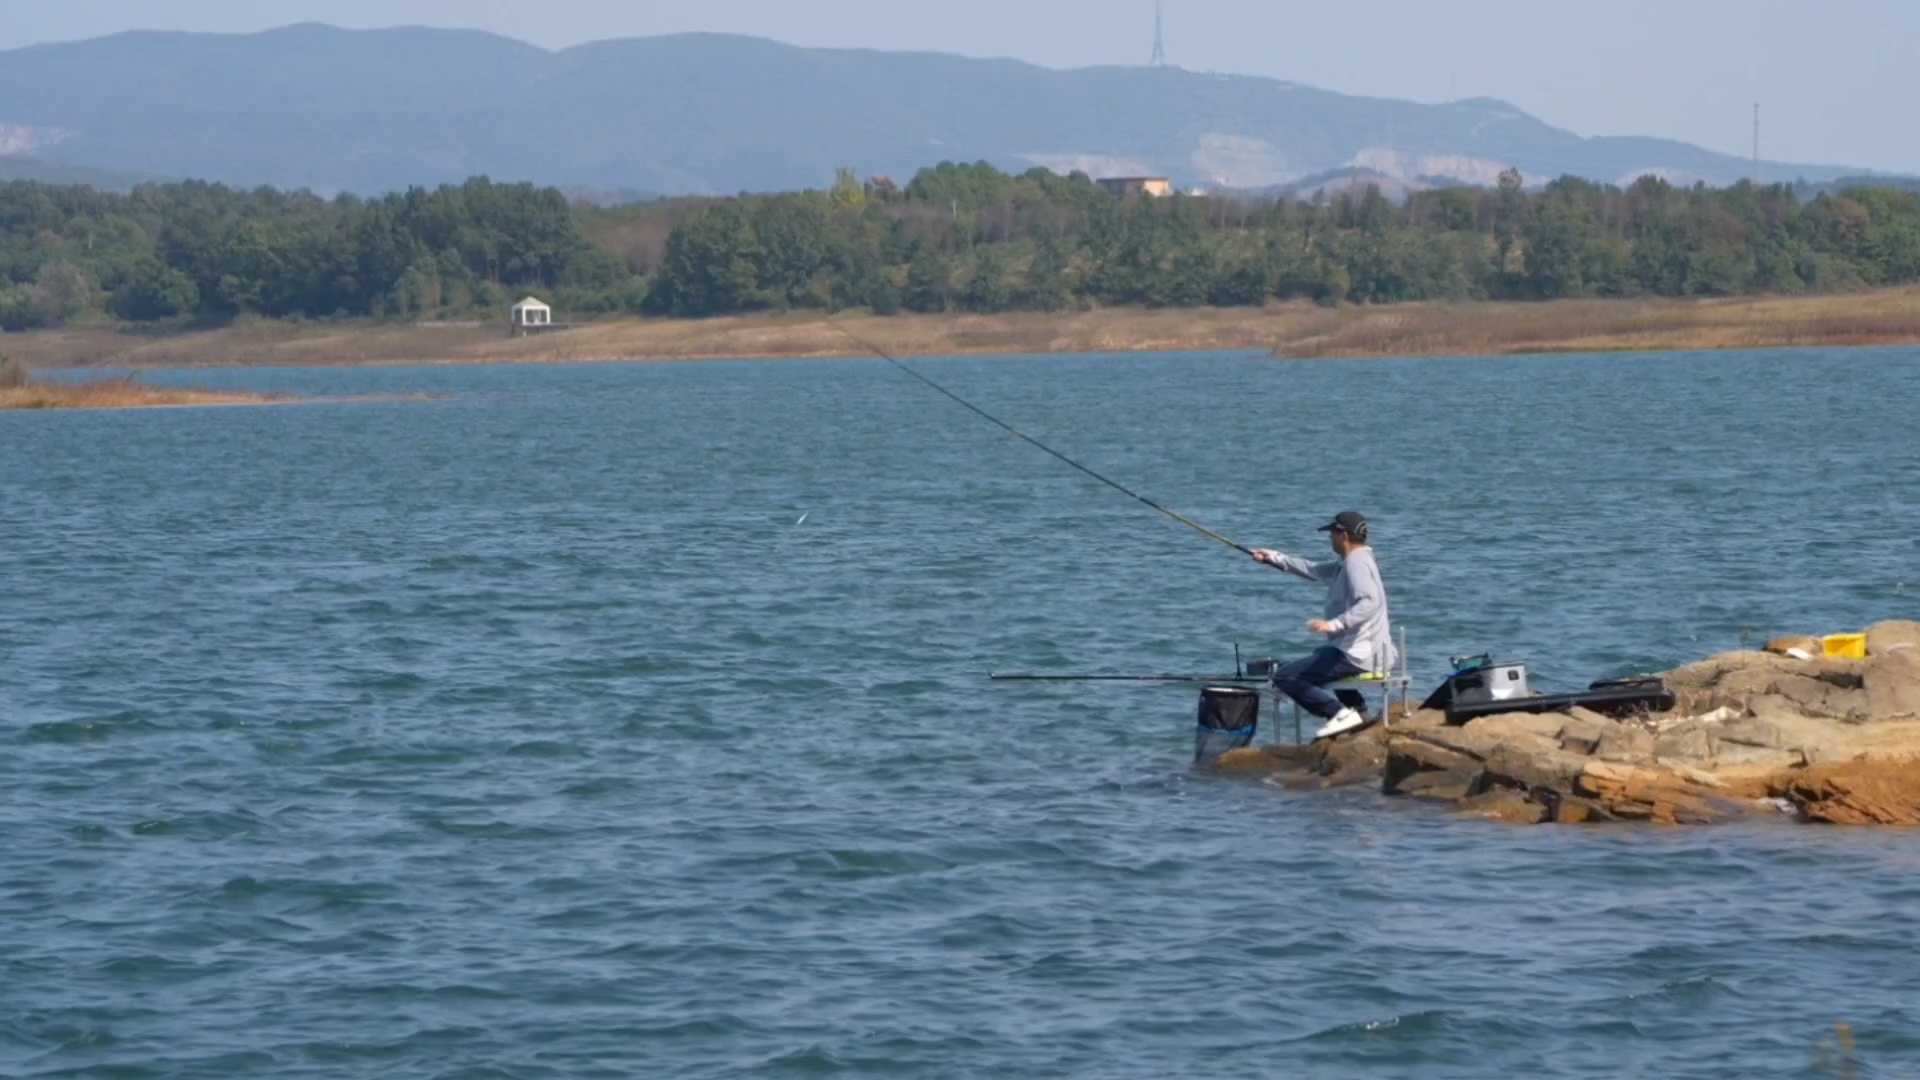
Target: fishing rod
[1248, 673]
[1017, 433]
[1210, 679]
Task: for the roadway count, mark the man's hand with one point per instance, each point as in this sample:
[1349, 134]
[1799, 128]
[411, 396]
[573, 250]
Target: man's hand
[1266, 555]
[1320, 626]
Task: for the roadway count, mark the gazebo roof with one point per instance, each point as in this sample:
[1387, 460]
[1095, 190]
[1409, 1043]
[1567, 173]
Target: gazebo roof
[529, 302]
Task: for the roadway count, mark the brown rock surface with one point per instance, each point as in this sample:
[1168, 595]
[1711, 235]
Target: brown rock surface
[1506, 804]
[1417, 766]
[1856, 793]
[1838, 739]
[1359, 758]
[1687, 740]
[1574, 810]
[1818, 697]
[1885, 637]
[1534, 766]
[1893, 685]
[1625, 742]
[1661, 797]
[1246, 761]
[1354, 759]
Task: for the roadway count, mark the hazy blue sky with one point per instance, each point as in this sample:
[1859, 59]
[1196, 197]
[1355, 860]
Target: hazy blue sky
[1839, 80]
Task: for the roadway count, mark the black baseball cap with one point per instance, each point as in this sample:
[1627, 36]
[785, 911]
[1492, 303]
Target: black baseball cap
[1347, 521]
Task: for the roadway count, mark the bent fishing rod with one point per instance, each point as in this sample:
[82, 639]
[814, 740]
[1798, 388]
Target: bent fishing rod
[1023, 436]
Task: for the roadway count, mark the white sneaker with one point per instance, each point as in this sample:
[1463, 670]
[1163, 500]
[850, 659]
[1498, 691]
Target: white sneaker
[1343, 721]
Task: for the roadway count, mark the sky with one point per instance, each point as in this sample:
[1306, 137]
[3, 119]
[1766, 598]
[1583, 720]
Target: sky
[1837, 80]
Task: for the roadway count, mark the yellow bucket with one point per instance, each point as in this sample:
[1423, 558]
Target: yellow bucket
[1845, 646]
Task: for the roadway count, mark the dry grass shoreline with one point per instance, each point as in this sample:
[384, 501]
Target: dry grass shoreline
[1886, 317]
[124, 394]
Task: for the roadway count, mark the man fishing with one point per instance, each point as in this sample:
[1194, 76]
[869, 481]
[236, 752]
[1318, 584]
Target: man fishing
[1358, 638]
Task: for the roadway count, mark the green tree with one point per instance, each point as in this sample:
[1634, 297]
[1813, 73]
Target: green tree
[153, 291]
[710, 266]
[929, 282]
[847, 188]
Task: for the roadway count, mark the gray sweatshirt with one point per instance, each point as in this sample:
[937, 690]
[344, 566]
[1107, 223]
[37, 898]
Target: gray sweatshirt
[1356, 605]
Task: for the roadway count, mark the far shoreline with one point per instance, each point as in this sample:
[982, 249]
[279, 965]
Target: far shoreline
[1286, 331]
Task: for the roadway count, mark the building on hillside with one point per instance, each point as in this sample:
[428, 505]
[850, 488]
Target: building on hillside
[530, 316]
[1154, 187]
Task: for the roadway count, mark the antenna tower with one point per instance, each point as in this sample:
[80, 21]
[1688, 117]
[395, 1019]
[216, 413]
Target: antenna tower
[1159, 38]
[1756, 144]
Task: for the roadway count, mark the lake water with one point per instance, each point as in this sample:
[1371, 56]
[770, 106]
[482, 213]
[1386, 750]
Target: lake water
[530, 733]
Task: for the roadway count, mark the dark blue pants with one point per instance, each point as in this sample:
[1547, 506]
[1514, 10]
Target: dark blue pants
[1305, 680]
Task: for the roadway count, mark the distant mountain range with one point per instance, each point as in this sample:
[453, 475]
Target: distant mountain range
[368, 111]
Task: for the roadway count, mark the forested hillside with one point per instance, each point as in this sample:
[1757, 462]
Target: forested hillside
[957, 237]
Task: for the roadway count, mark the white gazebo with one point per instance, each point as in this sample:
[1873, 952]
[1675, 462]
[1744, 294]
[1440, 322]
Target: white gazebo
[531, 316]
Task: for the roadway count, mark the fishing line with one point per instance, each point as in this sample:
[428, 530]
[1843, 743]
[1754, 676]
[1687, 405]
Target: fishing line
[1017, 433]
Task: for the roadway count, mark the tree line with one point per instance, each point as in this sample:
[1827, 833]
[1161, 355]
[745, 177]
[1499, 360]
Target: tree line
[971, 238]
[954, 238]
[203, 253]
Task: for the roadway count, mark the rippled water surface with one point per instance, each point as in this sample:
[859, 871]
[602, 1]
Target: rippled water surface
[531, 733]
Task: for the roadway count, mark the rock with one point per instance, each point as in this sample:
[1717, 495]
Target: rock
[1582, 729]
[1506, 804]
[1696, 776]
[1893, 685]
[1739, 687]
[1353, 759]
[1772, 708]
[1819, 697]
[1886, 637]
[1625, 743]
[1304, 757]
[1449, 786]
[1750, 742]
[1515, 751]
[1736, 756]
[1534, 765]
[1711, 716]
[1574, 810]
[1543, 725]
[1690, 740]
[1469, 740]
[1857, 793]
[1650, 795]
[1711, 672]
[1751, 731]
[1787, 646]
[1418, 767]
[1844, 673]
[1246, 761]
[1758, 733]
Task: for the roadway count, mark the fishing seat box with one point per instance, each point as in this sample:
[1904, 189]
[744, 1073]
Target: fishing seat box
[1487, 684]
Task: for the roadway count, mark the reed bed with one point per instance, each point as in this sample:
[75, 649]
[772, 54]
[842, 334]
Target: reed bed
[121, 393]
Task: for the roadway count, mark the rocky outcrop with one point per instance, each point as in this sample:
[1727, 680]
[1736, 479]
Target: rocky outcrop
[1856, 793]
[1886, 637]
[1753, 734]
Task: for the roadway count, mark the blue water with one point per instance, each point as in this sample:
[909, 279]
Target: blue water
[529, 733]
